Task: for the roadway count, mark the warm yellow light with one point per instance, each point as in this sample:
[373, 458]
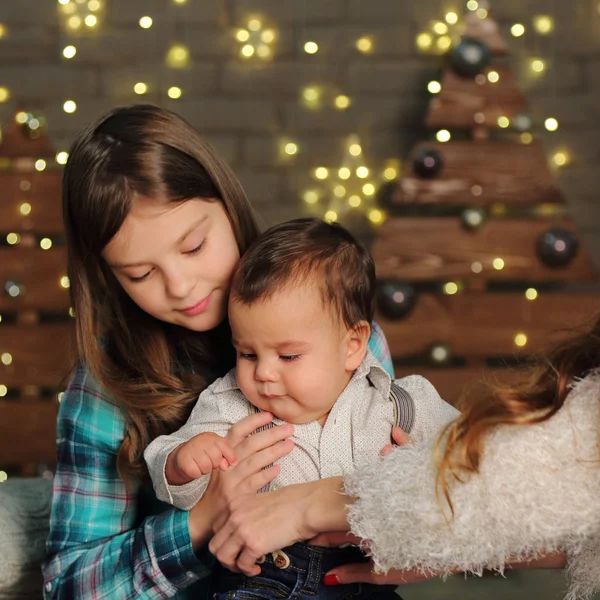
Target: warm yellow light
[331, 216]
[74, 22]
[180, 1]
[520, 340]
[517, 30]
[140, 88]
[311, 47]
[311, 197]
[482, 13]
[247, 51]
[543, 24]
[69, 51]
[354, 201]
[375, 216]
[440, 28]
[243, 35]
[451, 18]
[344, 173]
[443, 135]
[560, 158]
[531, 294]
[94, 5]
[267, 36]
[365, 44]
[551, 124]
[498, 264]
[362, 172]
[355, 149]
[45, 243]
[71, 312]
[472, 5]
[321, 173]
[21, 117]
[69, 106]
[146, 22]
[450, 288]
[25, 208]
[311, 94]
[178, 56]
[263, 51]
[390, 173]
[65, 282]
[40, 164]
[342, 102]
[6, 358]
[424, 41]
[339, 191]
[3, 392]
[3, 474]
[2, 30]
[60, 397]
[493, 77]
[291, 148]
[254, 24]
[444, 42]
[435, 87]
[368, 189]
[13, 238]
[91, 21]
[526, 138]
[538, 65]
[503, 122]
[476, 267]
[62, 157]
[4, 94]
[174, 92]
[63, 2]
[0, 318]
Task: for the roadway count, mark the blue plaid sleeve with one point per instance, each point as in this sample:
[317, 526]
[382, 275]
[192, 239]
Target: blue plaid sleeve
[379, 347]
[99, 546]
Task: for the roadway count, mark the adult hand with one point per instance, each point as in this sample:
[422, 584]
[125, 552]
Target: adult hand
[255, 468]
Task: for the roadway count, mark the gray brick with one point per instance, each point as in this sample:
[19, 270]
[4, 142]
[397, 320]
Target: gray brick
[33, 43]
[560, 74]
[23, 13]
[226, 145]
[263, 187]
[49, 81]
[406, 77]
[286, 11]
[226, 114]
[130, 11]
[571, 109]
[383, 11]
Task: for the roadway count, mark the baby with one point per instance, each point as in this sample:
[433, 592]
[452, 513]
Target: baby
[300, 309]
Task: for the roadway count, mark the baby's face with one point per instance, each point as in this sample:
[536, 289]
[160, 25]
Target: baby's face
[292, 354]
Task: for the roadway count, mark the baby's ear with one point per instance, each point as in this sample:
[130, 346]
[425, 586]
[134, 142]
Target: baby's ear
[358, 342]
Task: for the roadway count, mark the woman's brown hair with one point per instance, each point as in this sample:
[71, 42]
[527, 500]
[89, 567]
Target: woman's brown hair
[154, 370]
[539, 394]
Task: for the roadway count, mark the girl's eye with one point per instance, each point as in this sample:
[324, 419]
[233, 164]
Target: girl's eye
[140, 279]
[196, 249]
[247, 356]
[290, 357]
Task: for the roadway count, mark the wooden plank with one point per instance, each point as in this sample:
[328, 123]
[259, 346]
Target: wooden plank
[38, 272]
[488, 173]
[480, 326]
[417, 249]
[28, 432]
[486, 30]
[466, 103]
[41, 355]
[40, 190]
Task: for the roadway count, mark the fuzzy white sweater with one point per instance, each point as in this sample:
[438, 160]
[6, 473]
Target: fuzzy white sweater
[538, 491]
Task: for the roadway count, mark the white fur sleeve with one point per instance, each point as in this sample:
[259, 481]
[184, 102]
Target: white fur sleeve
[538, 491]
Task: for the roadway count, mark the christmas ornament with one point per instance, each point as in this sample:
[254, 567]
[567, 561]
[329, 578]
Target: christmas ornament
[557, 247]
[428, 163]
[470, 57]
[394, 299]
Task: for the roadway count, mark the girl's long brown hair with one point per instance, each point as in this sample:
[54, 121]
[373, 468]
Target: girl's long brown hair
[539, 394]
[154, 370]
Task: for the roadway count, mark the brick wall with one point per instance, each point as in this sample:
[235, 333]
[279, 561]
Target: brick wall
[246, 108]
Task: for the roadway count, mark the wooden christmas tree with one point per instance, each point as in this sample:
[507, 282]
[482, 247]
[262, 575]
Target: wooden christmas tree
[479, 265]
[36, 330]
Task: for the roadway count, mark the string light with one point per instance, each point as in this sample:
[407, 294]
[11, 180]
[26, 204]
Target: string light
[267, 36]
[560, 158]
[551, 124]
[503, 122]
[443, 135]
[25, 208]
[2, 30]
[482, 13]
[520, 340]
[179, 1]
[4, 94]
[498, 264]
[376, 216]
[355, 149]
[339, 191]
[472, 5]
[247, 51]
[69, 51]
[21, 118]
[543, 24]
[145, 22]
[517, 30]
[3, 475]
[311, 96]
[526, 137]
[444, 43]
[390, 173]
[342, 102]
[451, 18]
[493, 77]
[40, 164]
[531, 294]
[62, 158]
[424, 41]
[311, 47]
[6, 358]
[440, 28]
[94, 5]
[434, 87]
[476, 267]
[254, 24]
[362, 172]
[321, 173]
[13, 238]
[344, 173]
[440, 353]
[74, 22]
[331, 216]
[178, 56]
[174, 92]
[291, 148]
[45, 243]
[69, 106]
[368, 189]
[450, 288]
[311, 196]
[354, 201]
[538, 65]
[263, 51]
[365, 44]
[60, 396]
[65, 282]
[91, 21]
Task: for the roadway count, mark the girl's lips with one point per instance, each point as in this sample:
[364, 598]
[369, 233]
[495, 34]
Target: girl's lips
[199, 308]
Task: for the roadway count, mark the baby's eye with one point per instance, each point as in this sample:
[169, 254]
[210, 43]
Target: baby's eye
[290, 357]
[247, 356]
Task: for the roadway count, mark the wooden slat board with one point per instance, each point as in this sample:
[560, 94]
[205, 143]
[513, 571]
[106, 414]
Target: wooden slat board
[28, 432]
[417, 249]
[462, 99]
[42, 191]
[485, 30]
[39, 272]
[481, 175]
[41, 356]
[484, 325]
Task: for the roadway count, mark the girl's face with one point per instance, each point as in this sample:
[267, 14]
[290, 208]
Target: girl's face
[176, 260]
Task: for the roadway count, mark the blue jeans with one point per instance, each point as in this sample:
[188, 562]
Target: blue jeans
[296, 572]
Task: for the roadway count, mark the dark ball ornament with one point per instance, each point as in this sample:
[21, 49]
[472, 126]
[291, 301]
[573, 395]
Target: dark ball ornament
[557, 247]
[394, 299]
[428, 163]
[470, 57]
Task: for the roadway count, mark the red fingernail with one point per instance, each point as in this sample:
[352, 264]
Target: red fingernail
[331, 579]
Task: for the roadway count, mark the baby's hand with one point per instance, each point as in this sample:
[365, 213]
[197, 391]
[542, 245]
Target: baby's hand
[197, 457]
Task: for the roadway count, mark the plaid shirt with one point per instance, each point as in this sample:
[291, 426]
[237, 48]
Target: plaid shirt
[106, 542]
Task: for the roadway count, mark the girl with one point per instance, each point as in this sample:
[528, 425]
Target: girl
[517, 477]
[155, 224]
